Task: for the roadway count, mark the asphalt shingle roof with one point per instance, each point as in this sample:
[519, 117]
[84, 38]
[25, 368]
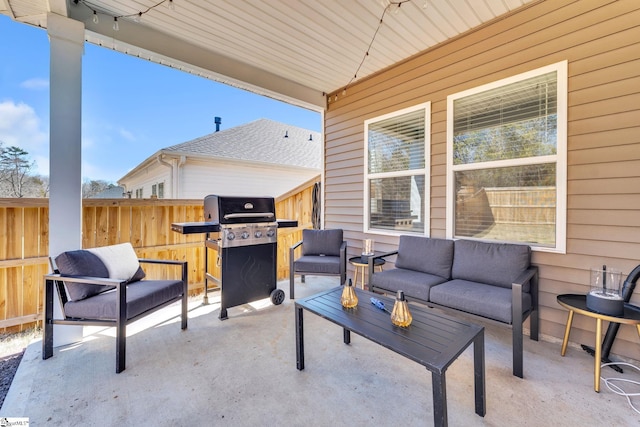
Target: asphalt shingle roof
[262, 140]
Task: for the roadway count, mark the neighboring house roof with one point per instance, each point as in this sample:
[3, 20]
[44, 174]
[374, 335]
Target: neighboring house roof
[263, 140]
[109, 193]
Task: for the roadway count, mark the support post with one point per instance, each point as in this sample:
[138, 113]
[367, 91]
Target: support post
[65, 202]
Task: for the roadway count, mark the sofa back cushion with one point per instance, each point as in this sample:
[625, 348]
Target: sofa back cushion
[321, 242]
[433, 256]
[496, 264]
[115, 262]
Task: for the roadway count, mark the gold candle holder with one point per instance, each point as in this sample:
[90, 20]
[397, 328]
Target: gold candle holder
[349, 298]
[400, 315]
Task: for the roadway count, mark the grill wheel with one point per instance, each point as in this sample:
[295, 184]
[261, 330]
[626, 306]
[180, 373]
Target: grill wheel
[277, 296]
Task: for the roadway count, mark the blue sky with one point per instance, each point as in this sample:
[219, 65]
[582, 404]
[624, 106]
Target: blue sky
[131, 107]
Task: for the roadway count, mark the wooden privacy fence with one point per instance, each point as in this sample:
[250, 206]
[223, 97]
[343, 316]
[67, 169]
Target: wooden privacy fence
[146, 223]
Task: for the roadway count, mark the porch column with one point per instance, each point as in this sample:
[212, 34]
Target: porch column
[66, 38]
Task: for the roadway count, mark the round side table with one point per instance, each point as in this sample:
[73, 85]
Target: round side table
[578, 304]
[361, 263]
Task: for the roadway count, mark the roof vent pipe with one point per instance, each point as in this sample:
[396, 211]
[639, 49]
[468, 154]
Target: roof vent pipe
[218, 122]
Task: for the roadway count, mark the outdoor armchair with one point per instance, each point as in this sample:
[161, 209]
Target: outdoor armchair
[324, 253]
[107, 287]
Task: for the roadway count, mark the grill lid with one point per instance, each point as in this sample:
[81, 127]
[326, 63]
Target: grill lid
[238, 210]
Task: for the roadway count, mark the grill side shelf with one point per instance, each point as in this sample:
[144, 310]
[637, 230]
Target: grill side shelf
[195, 227]
[287, 223]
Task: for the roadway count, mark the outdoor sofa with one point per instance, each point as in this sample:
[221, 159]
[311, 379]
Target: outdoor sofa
[494, 281]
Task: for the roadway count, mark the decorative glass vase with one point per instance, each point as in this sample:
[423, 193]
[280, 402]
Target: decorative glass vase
[367, 248]
[400, 315]
[349, 298]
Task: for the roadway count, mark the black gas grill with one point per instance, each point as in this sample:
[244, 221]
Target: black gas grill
[245, 247]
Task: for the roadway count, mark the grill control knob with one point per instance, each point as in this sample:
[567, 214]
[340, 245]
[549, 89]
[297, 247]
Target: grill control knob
[231, 235]
[258, 234]
[245, 235]
[271, 232]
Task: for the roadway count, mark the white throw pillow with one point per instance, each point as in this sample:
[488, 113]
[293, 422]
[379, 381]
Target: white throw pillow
[121, 260]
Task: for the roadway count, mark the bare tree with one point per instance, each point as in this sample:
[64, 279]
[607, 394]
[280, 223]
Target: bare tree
[15, 166]
[92, 187]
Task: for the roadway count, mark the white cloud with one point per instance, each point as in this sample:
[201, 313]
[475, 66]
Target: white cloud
[20, 126]
[126, 134]
[35, 84]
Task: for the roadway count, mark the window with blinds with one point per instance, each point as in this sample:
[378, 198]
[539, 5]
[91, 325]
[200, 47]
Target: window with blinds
[507, 160]
[396, 153]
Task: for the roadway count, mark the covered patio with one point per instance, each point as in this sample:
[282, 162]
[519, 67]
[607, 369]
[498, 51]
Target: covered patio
[242, 371]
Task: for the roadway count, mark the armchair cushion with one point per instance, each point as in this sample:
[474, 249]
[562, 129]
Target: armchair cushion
[82, 263]
[114, 262]
[141, 296]
[317, 264]
[321, 242]
[121, 261]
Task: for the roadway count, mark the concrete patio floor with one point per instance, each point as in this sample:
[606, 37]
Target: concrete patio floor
[242, 372]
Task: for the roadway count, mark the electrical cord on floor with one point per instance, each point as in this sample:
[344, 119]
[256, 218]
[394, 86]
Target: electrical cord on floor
[609, 382]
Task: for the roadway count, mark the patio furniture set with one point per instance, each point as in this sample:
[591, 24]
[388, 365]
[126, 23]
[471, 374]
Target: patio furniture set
[433, 340]
[492, 281]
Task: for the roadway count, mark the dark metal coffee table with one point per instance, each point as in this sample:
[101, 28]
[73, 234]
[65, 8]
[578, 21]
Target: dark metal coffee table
[433, 340]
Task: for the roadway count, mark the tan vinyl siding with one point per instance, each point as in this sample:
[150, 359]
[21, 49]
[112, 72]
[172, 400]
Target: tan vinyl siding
[601, 42]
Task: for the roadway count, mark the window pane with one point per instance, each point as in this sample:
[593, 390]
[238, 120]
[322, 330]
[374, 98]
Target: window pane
[514, 121]
[397, 203]
[515, 204]
[397, 143]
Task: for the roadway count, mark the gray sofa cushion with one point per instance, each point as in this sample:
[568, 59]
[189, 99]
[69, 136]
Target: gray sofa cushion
[321, 242]
[81, 263]
[141, 296]
[433, 256]
[414, 283]
[493, 302]
[317, 264]
[497, 264]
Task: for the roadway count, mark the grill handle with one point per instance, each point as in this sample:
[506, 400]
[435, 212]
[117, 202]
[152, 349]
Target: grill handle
[250, 215]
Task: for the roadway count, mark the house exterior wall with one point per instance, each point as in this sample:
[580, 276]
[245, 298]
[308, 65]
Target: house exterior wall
[601, 42]
[145, 178]
[199, 178]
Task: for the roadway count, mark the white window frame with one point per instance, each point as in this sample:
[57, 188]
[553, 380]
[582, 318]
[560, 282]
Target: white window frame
[426, 106]
[560, 157]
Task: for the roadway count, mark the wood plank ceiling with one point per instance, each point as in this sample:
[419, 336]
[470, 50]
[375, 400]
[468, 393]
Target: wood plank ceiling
[315, 45]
